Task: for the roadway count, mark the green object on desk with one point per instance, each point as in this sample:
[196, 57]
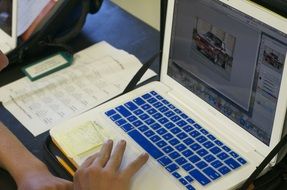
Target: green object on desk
[48, 65]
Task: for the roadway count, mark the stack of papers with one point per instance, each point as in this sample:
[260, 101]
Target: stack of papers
[98, 73]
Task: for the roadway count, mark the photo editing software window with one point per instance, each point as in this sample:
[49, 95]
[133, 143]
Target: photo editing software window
[230, 60]
[6, 16]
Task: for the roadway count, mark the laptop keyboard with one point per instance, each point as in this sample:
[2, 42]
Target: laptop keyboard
[184, 148]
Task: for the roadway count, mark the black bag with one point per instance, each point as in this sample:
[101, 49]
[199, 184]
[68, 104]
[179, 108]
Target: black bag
[65, 23]
[274, 179]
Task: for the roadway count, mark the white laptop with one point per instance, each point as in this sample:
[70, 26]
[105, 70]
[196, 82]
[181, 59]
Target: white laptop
[220, 104]
[8, 20]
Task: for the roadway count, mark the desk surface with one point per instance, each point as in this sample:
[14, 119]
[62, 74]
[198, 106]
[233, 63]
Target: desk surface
[111, 24]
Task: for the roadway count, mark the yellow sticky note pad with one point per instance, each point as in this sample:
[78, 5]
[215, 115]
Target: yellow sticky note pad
[83, 138]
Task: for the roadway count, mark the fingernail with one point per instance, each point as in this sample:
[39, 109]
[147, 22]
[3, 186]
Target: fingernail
[123, 141]
[109, 141]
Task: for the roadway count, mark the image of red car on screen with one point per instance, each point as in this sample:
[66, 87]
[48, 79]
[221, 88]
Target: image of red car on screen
[212, 47]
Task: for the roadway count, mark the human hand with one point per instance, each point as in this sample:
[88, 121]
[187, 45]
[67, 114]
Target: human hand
[3, 61]
[102, 170]
[42, 179]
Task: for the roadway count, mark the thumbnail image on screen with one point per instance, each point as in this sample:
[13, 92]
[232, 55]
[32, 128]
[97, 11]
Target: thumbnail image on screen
[6, 16]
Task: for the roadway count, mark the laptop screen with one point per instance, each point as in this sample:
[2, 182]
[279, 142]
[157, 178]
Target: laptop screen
[6, 16]
[230, 60]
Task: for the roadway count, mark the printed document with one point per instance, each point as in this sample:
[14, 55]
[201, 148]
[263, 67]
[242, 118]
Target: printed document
[98, 73]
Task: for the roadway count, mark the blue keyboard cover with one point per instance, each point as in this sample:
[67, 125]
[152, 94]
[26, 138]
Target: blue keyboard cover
[175, 140]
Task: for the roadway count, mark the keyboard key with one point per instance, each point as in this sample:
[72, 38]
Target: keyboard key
[168, 149]
[161, 131]
[173, 141]
[145, 144]
[203, 131]
[242, 161]
[139, 101]
[165, 102]
[208, 144]
[172, 167]
[189, 187]
[201, 139]
[227, 149]
[184, 116]
[209, 158]
[219, 143]
[195, 147]
[181, 123]
[177, 111]
[151, 111]
[169, 113]
[167, 136]
[149, 121]
[197, 126]
[190, 121]
[183, 181]
[157, 104]
[131, 106]
[120, 122]
[175, 118]
[159, 97]
[169, 125]
[164, 161]
[145, 106]
[224, 170]
[216, 164]
[180, 147]
[215, 150]
[127, 127]
[202, 152]
[115, 117]
[123, 111]
[201, 164]
[232, 163]
[157, 115]
[149, 133]
[174, 155]
[138, 112]
[163, 109]
[161, 144]
[211, 137]
[188, 178]
[187, 153]
[222, 156]
[110, 112]
[211, 173]
[155, 126]
[143, 128]
[137, 123]
[187, 128]
[144, 116]
[234, 154]
[194, 158]
[155, 138]
[152, 100]
[153, 93]
[146, 96]
[163, 120]
[194, 134]
[198, 176]
[181, 135]
[175, 130]
[132, 118]
[176, 175]
[180, 161]
[188, 141]
[187, 167]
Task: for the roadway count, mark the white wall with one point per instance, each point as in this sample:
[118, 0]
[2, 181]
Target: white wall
[146, 10]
